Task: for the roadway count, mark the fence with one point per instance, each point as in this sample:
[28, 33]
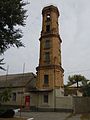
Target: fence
[75, 104]
[81, 104]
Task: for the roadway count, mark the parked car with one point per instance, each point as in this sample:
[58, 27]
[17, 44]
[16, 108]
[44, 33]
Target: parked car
[9, 113]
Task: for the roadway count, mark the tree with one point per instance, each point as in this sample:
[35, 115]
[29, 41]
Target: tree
[85, 83]
[1, 63]
[75, 79]
[86, 89]
[5, 95]
[12, 15]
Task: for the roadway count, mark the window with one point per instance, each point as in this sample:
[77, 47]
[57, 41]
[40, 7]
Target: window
[46, 79]
[47, 44]
[47, 28]
[47, 57]
[13, 96]
[59, 57]
[48, 17]
[20, 92]
[46, 98]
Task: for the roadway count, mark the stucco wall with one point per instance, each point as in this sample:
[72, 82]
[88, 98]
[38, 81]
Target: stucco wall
[65, 102]
[33, 99]
[77, 104]
[20, 98]
[50, 103]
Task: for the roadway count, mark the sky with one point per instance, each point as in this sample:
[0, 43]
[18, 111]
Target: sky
[74, 29]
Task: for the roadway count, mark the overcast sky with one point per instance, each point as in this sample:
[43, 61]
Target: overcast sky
[74, 25]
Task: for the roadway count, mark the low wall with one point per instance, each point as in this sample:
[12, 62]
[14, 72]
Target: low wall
[64, 103]
[81, 104]
[75, 104]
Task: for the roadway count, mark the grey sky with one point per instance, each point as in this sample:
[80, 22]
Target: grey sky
[74, 24]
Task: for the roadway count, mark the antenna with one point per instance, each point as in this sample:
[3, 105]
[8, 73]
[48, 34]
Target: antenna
[22, 89]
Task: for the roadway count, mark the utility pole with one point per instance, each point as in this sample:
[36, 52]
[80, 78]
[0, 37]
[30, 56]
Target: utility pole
[6, 75]
[22, 89]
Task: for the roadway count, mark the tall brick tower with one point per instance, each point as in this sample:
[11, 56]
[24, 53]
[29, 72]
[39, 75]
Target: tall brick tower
[50, 71]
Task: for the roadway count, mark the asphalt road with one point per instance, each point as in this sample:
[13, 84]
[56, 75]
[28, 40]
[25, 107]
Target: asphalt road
[53, 116]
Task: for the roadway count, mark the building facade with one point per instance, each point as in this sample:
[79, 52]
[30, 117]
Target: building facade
[48, 84]
[19, 86]
[45, 91]
[49, 72]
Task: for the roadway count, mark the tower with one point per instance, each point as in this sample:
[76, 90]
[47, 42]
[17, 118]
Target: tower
[50, 71]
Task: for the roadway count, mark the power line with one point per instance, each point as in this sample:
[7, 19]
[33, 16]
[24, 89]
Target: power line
[77, 71]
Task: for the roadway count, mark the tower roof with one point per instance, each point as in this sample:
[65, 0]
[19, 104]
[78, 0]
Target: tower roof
[50, 8]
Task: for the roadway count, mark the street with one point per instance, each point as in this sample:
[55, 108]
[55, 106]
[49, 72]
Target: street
[53, 116]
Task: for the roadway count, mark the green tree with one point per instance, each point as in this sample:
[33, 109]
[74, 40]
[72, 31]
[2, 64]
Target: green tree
[75, 79]
[86, 89]
[1, 63]
[12, 16]
[85, 83]
[5, 95]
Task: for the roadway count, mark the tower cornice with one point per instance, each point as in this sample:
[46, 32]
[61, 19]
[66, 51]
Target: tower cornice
[46, 35]
[50, 67]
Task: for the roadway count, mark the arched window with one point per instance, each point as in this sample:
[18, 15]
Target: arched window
[48, 17]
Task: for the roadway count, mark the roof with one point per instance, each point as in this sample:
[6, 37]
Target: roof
[75, 84]
[17, 80]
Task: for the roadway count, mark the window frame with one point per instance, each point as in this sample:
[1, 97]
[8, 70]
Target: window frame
[46, 98]
[46, 79]
[47, 44]
[48, 28]
[47, 57]
[14, 96]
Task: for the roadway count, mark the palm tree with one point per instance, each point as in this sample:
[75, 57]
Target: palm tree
[75, 79]
[85, 83]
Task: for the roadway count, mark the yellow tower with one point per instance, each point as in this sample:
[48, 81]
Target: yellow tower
[50, 71]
